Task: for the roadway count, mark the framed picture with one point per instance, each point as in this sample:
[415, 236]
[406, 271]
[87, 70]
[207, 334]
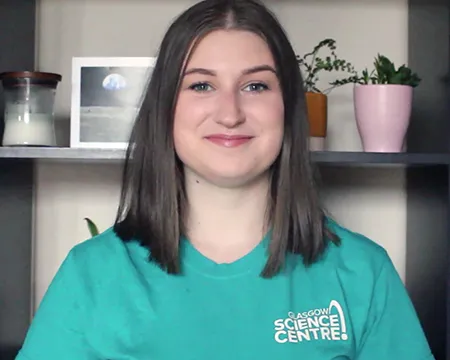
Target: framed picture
[106, 95]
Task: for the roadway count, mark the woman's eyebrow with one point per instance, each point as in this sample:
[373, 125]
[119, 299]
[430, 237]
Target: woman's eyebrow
[209, 72]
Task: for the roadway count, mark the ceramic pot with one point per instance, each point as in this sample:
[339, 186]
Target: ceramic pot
[317, 110]
[382, 116]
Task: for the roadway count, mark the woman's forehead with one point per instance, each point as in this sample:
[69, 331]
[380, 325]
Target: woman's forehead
[221, 48]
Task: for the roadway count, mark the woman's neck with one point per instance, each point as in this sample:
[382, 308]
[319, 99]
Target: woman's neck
[225, 224]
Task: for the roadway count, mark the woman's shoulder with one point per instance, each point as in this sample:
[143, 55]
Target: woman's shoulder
[105, 252]
[355, 251]
[105, 244]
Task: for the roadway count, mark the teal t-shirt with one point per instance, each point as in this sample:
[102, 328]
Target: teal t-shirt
[107, 302]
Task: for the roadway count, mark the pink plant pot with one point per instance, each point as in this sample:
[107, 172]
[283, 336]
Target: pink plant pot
[382, 116]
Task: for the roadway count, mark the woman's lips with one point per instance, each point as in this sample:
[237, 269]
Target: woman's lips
[229, 141]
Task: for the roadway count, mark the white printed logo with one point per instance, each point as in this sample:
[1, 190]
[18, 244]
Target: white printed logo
[316, 324]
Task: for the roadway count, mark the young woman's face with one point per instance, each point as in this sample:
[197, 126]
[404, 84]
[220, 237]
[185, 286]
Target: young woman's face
[229, 118]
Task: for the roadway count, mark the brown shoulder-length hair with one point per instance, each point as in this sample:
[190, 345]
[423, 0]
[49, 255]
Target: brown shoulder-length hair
[153, 200]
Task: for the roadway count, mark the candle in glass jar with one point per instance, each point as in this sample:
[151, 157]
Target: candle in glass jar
[29, 129]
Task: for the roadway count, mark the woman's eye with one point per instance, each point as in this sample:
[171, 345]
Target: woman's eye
[204, 87]
[258, 87]
[200, 87]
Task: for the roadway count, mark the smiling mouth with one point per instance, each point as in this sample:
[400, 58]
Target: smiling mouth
[229, 141]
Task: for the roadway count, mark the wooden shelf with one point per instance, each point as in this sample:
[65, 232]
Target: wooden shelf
[341, 158]
[62, 153]
[380, 159]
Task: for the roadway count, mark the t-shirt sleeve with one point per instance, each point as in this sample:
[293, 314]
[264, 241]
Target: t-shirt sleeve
[393, 330]
[56, 331]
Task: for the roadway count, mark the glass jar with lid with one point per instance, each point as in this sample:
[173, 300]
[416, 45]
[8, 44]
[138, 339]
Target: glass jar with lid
[29, 99]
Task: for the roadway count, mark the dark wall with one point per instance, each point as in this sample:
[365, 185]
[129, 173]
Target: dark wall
[428, 55]
[16, 196]
[17, 39]
[428, 235]
[427, 240]
[17, 53]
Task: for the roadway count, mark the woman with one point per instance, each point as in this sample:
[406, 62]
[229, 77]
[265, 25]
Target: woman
[221, 249]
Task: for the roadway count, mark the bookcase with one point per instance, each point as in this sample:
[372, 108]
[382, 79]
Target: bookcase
[426, 163]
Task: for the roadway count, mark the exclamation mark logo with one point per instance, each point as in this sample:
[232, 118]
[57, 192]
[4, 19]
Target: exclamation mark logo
[337, 306]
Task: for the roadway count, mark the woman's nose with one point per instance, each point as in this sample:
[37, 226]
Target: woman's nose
[229, 110]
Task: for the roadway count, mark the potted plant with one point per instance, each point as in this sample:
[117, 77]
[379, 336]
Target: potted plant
[383, 102]
[311, 64]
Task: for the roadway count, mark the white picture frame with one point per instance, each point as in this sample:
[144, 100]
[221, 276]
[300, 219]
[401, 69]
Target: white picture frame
[106, 95]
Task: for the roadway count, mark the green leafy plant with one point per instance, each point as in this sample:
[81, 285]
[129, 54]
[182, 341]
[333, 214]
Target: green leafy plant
[93, 229]
[385, 72]
[312, 64]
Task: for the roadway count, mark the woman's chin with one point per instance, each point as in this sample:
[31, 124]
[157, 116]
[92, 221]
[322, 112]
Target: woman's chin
[233, 179]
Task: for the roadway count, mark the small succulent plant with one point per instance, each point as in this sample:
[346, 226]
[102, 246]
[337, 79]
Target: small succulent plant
[385, 72]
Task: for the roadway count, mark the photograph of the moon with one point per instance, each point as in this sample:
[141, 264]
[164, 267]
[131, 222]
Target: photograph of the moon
[109, 100]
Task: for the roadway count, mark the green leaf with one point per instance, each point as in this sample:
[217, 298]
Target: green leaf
[312, 64]
[385, 72]
[93, 230]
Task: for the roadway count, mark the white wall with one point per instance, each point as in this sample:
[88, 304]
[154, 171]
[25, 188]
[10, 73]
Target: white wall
[372, 202]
